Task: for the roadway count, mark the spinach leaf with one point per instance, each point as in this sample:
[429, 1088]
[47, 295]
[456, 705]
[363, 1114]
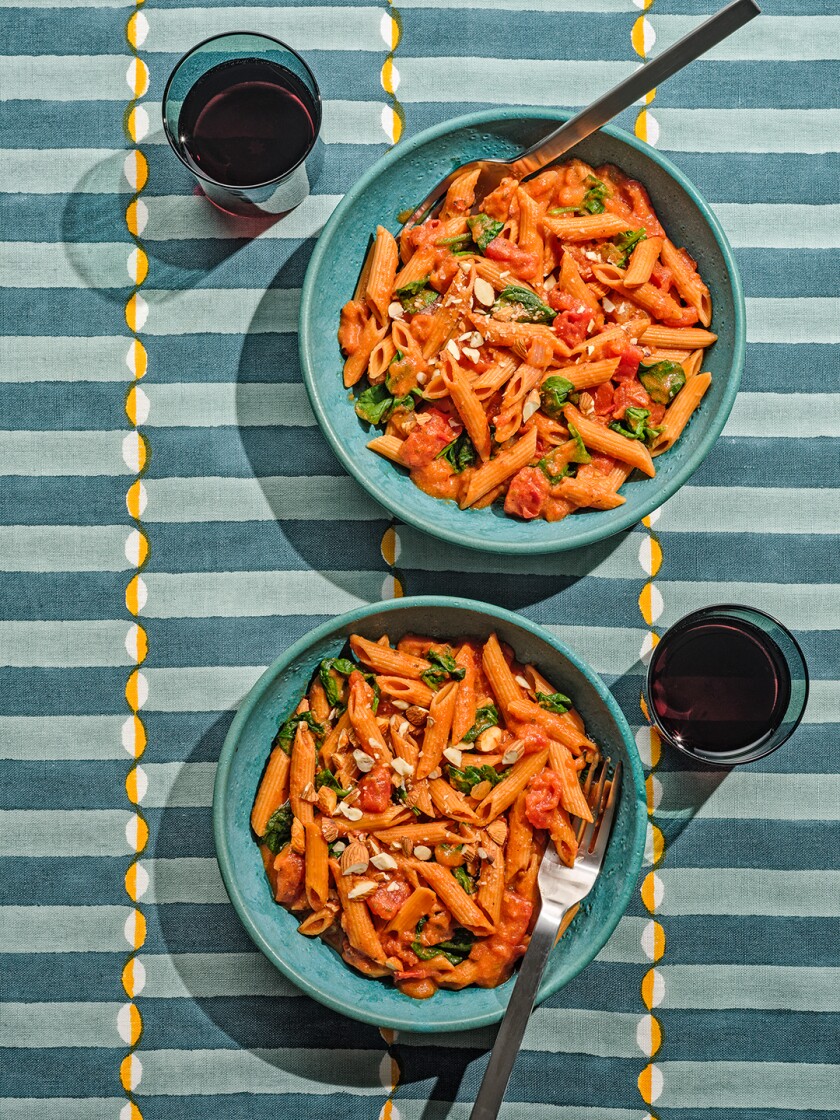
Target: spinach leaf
[339, 665]
[593, 200]
[553, 394]
[286, 734]
[400, 794]
[554, 702]
[553, 213]
[460, 453]
[465, 879]
[376, 404]
[635, 425]
[416, 296]
[443, 665]
[278, 831]
[547, 467]
[456, 950]
[663, 380]
[626, 242]
[581, 455]
[328, 779]
[485, 717]
[484, 229]
[518, 305]
[464, 780]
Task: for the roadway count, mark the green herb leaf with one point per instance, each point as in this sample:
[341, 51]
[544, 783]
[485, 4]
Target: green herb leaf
[456, 950]
[443, 665]
[518, 305]
[663, 380]
[593, 200]
[547, 467]
[328, 779]
[400, 794]
[465, 879]
[278, 831]
[464, 780]
[375, 404]
[581, 455]
[484, 229]
[286, 734]
[635, 425]
[626, 242]
[553, 394]
[416, 296]
[557, 210]
[485, 717]
[331, 687]
[460, 453]
[554, 702]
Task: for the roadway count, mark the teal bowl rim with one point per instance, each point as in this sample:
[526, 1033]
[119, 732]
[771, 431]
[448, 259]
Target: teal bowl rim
[583, 536]
[220, 809]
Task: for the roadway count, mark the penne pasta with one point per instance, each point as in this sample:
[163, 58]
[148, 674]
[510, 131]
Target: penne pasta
[642, 260]
[438, 726]
[599, 438]
[510, 787]
[680, 412]
[273, 790]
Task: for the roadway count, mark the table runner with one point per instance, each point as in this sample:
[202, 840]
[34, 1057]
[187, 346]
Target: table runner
[172, 518]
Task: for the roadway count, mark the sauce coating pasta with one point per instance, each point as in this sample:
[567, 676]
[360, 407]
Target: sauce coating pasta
[533, 347]
[408, 826]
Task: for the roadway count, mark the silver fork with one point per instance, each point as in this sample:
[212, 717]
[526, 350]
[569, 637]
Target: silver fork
[560, 888]
[557, 143]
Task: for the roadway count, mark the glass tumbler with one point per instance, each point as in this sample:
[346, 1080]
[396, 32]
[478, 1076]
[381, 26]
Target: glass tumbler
[242, 112]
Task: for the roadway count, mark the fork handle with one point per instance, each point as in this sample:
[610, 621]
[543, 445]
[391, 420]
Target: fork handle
[520, 1005]
[685, 50]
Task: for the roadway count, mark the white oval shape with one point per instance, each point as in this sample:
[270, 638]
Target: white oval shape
[132, 451]
[648, 940]
[134, 543]
[644, 1035]
[138, 977]
[644, 743]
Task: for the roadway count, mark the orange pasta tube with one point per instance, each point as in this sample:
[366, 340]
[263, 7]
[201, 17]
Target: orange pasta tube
[417, 268]
[389, 447]
[318, 703]
[642, 260]
[452, 895]
[506, 463]
[468, 406]
[383, 659]
[520, 844]
[680, 338]
[273, 790]
[445, 319]
[497, 275]
[465, 702]
[571, 795]
[419, 903]
[380, 359]
[680, 410]
[319, 922]
[356, 921]
[364, 721]
[600, 438]
[491, 885]
[518, 336]
[561, 728]
[373, 822]
[563, 836]
[428, 832]
[590, 228]
[583, 492]
[498, 673]
[450, 802]
[495, 377]
[570, 281]
[383, 269]
[461, 195]
[357, 363]
[400, 688]
[330, 743]
[317, 868]
[530, 238]
[437, 729]
[688, 282]
[302, 773]
[509, 788]
[588, 374]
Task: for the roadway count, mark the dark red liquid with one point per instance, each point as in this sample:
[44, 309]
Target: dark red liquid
[719, 687]
[246, 122]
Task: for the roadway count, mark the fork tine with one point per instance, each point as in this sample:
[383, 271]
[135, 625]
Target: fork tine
[593, 792]
[601, 833]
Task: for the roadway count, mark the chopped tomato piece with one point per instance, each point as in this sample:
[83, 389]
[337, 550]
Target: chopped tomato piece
[384, 903]
[428, 439]
[661, 276]
[657, 412]
[572, 322]
[630, 357]
[526, 493]
[288, 875]
[445, 268]
[630, 394]
[354, 315]
[542, 798]
[375, 791]
[516, 917]
[523, 263]
[686, 317]
[604, 399]
[532, 735]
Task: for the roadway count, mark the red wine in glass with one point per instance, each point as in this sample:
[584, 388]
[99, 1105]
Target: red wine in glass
[719, 688]
[246, 122]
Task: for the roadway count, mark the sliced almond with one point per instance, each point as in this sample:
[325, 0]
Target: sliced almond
[422, 852]
[405, 844]
[309, 793]
[497, 830]
[364, 761]
[453, 755]
[327, 800]
[523, 683]
[298, 837]
[436, 773]
[382, 861]
[531, 405]
[471, 353]
[362, 889]
[349, 811]
[476, 339]
[513, 753]
[403, 768]
[352, 796]
[329, 829]
[489, 740]
[416, 715]
[484, 292]
[452, 348]
[607, 304]
[396, 311]
[393, 885]
[480, 790]
[400, 705]
[354, 859]
[421, 378]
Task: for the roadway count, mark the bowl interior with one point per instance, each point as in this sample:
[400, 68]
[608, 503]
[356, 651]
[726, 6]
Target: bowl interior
[396, 183]
[315, 967]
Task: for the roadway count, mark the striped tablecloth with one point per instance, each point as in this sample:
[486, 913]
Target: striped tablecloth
[171, 519]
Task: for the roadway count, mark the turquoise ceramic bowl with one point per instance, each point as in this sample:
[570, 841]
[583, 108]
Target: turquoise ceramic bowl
[314, 967]
[397, 182]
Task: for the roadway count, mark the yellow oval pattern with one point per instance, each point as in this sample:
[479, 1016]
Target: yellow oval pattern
[649, 891]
